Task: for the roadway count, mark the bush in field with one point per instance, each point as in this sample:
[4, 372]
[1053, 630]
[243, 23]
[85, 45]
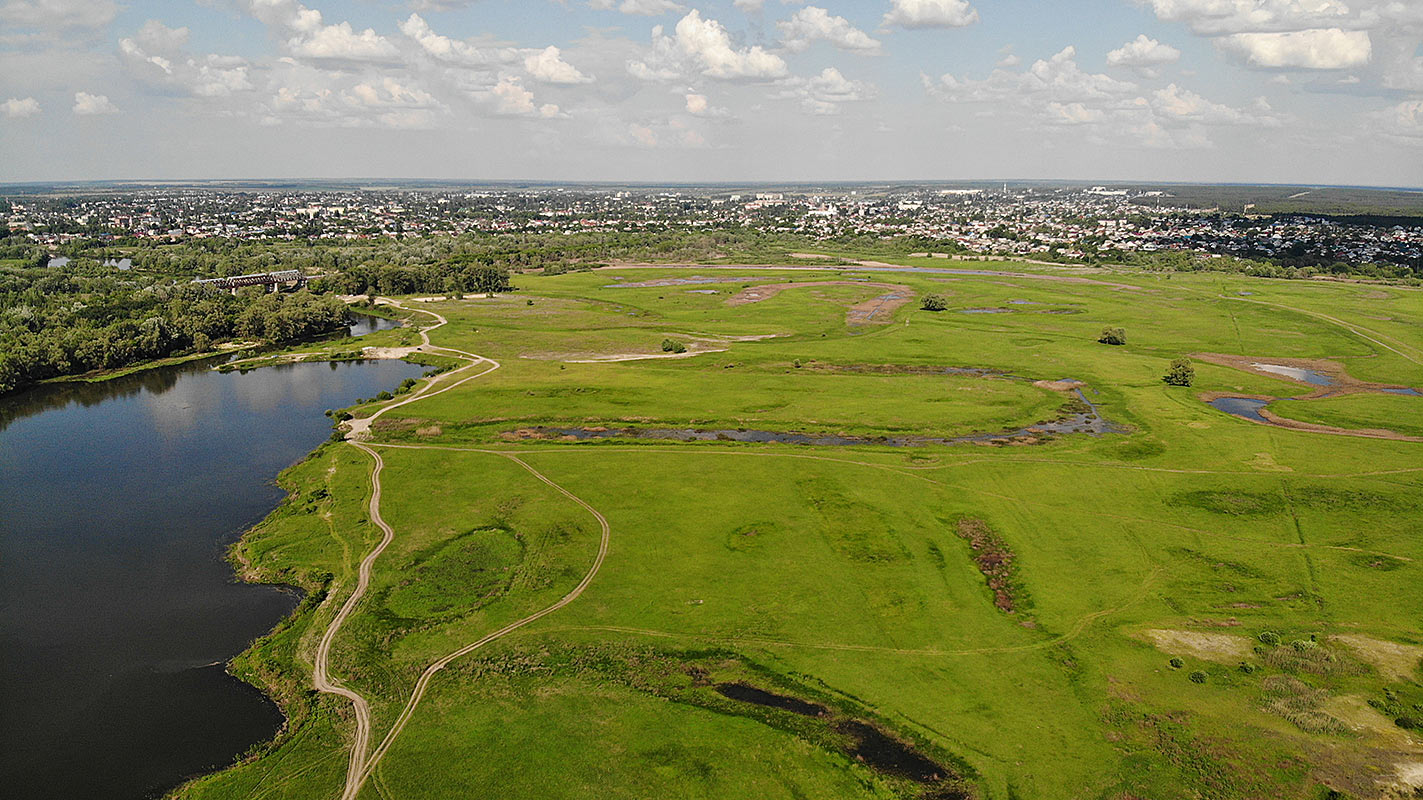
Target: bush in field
[673, 346]
[1181, 373]
[384, 395]
[934, 302]
[1176, 663]
[1270, 638]
[1113, 336]
[1198, 677]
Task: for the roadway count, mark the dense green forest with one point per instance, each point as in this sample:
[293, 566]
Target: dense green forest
[71, 320]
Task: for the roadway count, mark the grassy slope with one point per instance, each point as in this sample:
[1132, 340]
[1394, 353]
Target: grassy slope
[1400, 413]
[838, 569]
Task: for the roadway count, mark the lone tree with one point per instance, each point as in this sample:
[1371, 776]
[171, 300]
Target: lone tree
[934, 302]
[1113, 336]
[1181, 373]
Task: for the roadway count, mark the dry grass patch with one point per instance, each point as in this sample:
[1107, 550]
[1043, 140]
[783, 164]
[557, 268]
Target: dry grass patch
[1393, 660]
[1223, 648]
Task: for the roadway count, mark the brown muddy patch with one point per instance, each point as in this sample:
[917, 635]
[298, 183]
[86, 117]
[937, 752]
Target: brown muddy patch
[879, 310]
[1253, 408]
[995, 560]
[1330, 378]
[875, 311]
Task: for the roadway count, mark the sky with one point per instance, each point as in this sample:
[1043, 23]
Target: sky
[1269, 91]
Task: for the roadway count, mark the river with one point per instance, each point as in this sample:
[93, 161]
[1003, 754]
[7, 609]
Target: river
[117, 608]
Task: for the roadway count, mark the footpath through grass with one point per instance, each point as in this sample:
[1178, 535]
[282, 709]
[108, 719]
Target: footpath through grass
[1196, 606]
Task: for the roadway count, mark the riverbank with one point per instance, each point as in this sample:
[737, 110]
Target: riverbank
[125, 493]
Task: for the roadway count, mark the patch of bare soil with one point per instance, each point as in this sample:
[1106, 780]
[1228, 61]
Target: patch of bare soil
[1366, 433]
[995, 560]
[1407, 779]
[1391, 659]
[875, 311]
[388, 352]
[1342, 381]
[1224, 648]
[1357, 715]
[1059, 386]
[879, 310]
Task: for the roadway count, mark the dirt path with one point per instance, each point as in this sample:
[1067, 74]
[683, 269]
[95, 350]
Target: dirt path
[321, 677]
[360, 766]
[423, 684]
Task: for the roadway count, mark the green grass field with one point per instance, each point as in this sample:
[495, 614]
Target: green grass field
[1195, 607]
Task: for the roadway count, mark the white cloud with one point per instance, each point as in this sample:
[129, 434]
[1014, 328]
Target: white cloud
[310, 95]
[699, 106]
[547, 65]
[1073, 113]
[340, 42]
[58, 14]
[1403, 121]
[453, 51]
[18, 108]
[1057, 91]
[812, 23]
[86, 104]
[647, 8]
[642, 135]
[512, 99]
[1184, 105]
[1320, 48]
[309, 37]
[1219, 17]
[1143, 51]
[930, 14]
[703, 46]
[824, 93]
[157, 55]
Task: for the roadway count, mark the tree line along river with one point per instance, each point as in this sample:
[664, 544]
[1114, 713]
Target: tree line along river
[117, 608]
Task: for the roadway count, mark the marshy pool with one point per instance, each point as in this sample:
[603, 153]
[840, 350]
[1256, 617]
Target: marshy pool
[1243, 407]
[1309, 376]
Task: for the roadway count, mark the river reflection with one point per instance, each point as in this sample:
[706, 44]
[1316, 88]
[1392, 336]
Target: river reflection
[117, 610]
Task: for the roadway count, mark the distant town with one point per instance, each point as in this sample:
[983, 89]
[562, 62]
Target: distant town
[1054, 223]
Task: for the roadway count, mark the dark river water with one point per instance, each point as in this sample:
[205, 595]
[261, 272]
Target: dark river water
[117, 609]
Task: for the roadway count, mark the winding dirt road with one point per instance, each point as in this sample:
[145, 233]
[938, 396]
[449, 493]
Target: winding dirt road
[360, 765]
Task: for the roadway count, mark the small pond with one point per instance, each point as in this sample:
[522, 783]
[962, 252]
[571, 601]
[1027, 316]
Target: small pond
[1308, 376]
[1243, 407]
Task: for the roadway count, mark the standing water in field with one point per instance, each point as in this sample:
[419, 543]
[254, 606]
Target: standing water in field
[1243, 407]
[1301, 374]
[117, 608]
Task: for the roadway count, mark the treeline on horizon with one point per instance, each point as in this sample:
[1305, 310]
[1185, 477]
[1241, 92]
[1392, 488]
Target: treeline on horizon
[85, 316]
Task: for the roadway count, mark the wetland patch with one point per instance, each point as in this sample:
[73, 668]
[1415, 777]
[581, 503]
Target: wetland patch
[1080, 417]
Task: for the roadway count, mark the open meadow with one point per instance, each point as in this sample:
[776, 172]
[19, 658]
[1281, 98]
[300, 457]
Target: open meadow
[821, 542]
